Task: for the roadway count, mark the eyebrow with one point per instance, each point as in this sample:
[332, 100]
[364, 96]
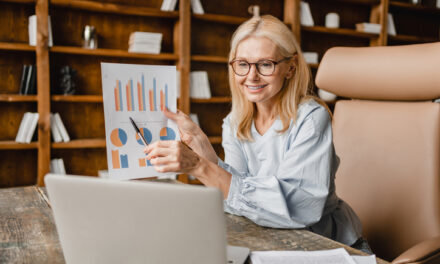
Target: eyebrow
[261, 59]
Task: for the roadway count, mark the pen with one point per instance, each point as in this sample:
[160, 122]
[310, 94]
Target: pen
[138, 132]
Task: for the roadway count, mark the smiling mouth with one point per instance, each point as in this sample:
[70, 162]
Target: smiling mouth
[256, 87]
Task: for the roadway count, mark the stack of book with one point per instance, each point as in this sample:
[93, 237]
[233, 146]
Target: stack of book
[199, 85]
[59, 132]
[32, 30]
[27, 128]
[57, 166]
[28, 84]
[145, 42]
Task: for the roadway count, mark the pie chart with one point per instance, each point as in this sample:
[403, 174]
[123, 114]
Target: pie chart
[167, 133]
[118, 137]
[147, 135]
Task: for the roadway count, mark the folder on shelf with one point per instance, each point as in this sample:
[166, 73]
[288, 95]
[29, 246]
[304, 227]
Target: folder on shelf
[369, 27]
[27, 127]
[57, 166]
[391, 26]
[32, 30]
[56, 135]
[306, 15]
[199, 85]
[23, 79]
[168, 5]
[197, 7]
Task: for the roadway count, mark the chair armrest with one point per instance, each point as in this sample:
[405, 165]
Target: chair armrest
[427, 251]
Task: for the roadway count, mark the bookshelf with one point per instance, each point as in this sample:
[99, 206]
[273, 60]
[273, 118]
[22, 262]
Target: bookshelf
[190, 41]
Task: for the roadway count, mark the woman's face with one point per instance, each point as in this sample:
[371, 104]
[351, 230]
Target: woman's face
[258, 88]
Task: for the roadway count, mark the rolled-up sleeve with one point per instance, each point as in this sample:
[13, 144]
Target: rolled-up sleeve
[292, 193]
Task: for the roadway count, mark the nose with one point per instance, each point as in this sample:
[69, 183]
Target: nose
[253, 73]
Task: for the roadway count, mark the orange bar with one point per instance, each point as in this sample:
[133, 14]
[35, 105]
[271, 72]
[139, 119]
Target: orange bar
[115, 159]
[117, 99]
[141, 107]
[142, 163]
[150, 92]
[128, 98]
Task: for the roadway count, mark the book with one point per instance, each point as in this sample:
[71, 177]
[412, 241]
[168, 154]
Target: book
[21, 134]
[194, 118]
[391, 26]
[32, 127]
[32, 31]
[61, 127]
[33, 82]
[306, 15]
[57, 166]
[28, 81]
[369, 27]
[56, 135]
[199, 85]
[145, 42]
[197, 7]
[438, 3]
[24, 74]
[168, 5]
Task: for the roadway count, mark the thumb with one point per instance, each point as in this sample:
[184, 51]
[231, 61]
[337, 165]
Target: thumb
[171, 115]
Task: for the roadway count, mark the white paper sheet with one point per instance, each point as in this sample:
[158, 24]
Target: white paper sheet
[140, 92]
[333, 256]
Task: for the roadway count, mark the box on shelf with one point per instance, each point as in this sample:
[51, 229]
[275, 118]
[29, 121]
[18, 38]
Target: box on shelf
[145, 42]
[311, 57]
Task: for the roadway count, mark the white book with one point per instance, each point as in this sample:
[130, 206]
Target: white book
[165, 5]
[32, 31]
[33, 125]
[144, 50]
[306, 15]
[61, 127]
[56, 135]
[391, 26]
[20, 137]
[197, 7]
[53, 166]
[62, 169]
[311, 57]
[438, 3]
[139, 36]
[199, 85]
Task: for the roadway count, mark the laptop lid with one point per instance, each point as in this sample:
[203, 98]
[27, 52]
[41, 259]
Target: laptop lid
[109, 221]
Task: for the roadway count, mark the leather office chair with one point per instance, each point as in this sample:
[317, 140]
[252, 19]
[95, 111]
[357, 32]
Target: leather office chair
[388, 141]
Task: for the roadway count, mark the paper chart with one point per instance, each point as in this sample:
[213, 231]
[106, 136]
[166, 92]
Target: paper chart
[141, 92]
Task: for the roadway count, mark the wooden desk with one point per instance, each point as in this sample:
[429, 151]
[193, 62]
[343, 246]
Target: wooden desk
[28, 233]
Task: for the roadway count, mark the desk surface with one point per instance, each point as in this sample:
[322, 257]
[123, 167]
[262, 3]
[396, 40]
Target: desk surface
[28, 233]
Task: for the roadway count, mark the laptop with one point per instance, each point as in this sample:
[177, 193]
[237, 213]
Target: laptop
[111, 221]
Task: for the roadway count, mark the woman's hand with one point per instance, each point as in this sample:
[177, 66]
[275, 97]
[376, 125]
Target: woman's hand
[192, 135]
[172, 156]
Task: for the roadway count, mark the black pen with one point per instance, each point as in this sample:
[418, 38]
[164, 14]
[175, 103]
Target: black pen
[138, 132]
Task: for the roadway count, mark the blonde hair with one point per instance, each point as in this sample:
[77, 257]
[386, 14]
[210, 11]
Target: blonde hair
[296, 89]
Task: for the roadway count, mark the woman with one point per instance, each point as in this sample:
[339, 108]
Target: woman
[280, 162]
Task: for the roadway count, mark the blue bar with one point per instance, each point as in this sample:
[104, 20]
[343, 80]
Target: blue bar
[143, 94]
[124, 161]
[120, 96]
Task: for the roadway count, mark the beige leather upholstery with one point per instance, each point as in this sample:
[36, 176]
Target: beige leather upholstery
[425, 252]
[405, 73]
[390, 151]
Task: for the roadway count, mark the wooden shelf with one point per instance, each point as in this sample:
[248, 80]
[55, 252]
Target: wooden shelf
[19, 1]
[80, 144]
[17, 98]
[113, 53]
[412, 39]
[195, 181]
[10, 144]
[361, 2]
[225, 19]
[206, 58]
[340, 31]
[114, 8]
[215, 140]
[221, 100]
[16, 46]
[417, 8]
[77, 98]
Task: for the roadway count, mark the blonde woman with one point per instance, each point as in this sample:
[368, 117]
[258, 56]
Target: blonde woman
[280, 162]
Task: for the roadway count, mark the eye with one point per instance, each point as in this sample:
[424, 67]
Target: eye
[265, 64]
[242, 64]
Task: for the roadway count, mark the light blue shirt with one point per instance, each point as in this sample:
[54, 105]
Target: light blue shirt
[287, 180]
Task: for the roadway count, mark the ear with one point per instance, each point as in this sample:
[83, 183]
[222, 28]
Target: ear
[293, 62]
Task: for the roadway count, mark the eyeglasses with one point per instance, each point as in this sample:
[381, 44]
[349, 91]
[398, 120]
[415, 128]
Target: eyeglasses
[264, 67]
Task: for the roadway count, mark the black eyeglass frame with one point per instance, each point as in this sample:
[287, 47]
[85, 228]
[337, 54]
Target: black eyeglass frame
[275, 63]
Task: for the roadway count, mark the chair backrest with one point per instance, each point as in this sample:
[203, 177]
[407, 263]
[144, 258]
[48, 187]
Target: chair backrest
[388, 140]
